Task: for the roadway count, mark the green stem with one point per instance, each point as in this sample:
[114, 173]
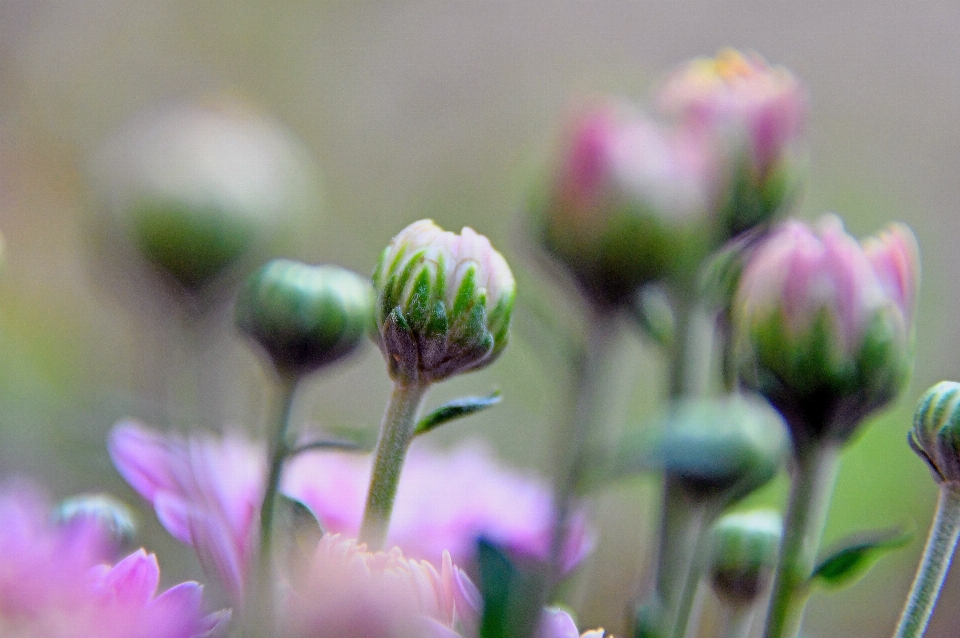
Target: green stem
[737, 620]
[261, 608]
[396, 432]
[692, 565]
[937, 554]
[574, 451]
[815, 474]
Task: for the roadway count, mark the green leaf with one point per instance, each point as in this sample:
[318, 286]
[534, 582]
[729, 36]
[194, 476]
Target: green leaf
[297, 532]
[856, 556]
[511, 595]
[456, 409]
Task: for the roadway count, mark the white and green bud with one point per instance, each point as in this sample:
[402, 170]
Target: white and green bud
[113, 517]
[196, 191]
[935, 436]
[744, 548]
[304, 317]
[723, 449]
[443, 303]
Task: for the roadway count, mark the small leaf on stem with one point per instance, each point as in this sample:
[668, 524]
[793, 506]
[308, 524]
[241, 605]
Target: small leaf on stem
[456, 409]
[856, 556]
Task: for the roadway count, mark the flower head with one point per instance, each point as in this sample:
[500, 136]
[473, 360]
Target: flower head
[55, 582]
[444, 302]
[935, 436]
[757, 113]
[207, 493]
[629, 201]
[823, 324]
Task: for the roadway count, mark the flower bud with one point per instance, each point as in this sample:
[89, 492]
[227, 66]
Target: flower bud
[823, 325]
[108, 514]
[444, 303]
[935, 436]
[757, 114]
[722, 448]
[629, 202]
[743, 554]
[304, 317]
[194, 189]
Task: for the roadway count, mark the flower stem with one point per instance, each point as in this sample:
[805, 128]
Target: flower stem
[261, 608]
[737, 620]
[396, 432]
[937, 554]
[815, 474]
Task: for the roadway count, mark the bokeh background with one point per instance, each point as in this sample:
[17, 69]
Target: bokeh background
[446, 109]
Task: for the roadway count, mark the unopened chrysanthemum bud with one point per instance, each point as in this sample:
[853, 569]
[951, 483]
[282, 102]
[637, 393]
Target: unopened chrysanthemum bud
[823, 325]
[757, 114]
[305, 317]
[444, 303]
[936, 431]
[113, 517]
[194, 189]
[722, 448]
[629, 202]
[743, 554]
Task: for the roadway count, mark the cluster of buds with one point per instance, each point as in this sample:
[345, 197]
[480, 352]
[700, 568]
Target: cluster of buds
[823, 324]
[635, 200]
[443, 303]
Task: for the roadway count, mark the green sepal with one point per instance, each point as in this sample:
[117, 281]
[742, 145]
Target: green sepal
[456, 409]
[418, 307]
[653, 314]
[855, 557]
[511, 599]
[465, 294]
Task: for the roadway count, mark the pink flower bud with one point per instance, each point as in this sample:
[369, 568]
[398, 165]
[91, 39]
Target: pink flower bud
[823, 324]
[625, 195]
[757, 113]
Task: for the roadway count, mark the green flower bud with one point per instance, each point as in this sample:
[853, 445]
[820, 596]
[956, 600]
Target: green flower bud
[111, 515]
[304, 317]
[444, 303]
[743, 554]
[194, 190]
[935, 436]
[723, 449]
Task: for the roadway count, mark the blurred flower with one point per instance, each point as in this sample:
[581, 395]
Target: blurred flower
[444, 302]
[54, 583]
[743, 554]
[194, 189]
[557, 623]
[629, 202]
[207, 492]
[303, 316]
[935, 436]
[348, 591]
[823, 324]
[757, 113]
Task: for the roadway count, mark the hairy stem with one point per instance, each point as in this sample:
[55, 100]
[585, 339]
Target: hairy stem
[941, 543]
[396, 432]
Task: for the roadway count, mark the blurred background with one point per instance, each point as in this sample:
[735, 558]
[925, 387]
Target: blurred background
[444, 109]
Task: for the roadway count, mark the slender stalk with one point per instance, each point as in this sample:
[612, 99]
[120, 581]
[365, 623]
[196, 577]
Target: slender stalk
[815, 474]
[574, 450]
[396, 432]
[692, 566]
[737, 620]
[941, 543]
[261, 608]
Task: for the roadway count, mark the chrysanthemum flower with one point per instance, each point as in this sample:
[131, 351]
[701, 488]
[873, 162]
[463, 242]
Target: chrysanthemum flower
[207, 492]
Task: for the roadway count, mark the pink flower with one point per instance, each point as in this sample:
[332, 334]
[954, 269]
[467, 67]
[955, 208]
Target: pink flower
[825, 323]
[54, 584]
[627, 193]
[207, 492]
[744, 100]
[348, 591]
